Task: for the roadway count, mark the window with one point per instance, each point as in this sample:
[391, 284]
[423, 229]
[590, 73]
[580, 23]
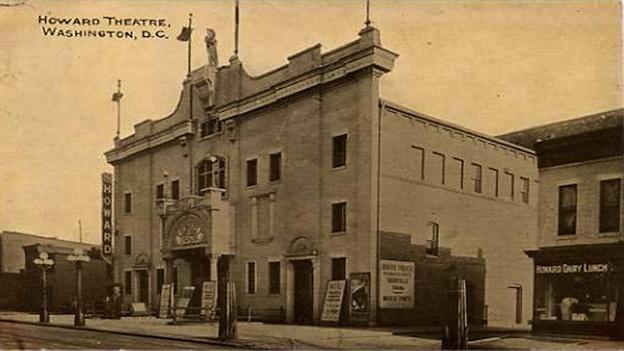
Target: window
[160, 191]
[419, 160]
[160, 279]
[512, 187]
[252, 172]
[339, 268]
[494, 181]
[524, 189]
[128, 282]
[211, 173]
[339, 151]
[476, 178]
[210, 127]
[251, 277]
[339, 217]
[175, 189]
[610, 205]
[274, 277]
[438, 167]
[567, 210]
[128, 202]
[128, 245]
[459, 169]
[434, 243]
[275, 167]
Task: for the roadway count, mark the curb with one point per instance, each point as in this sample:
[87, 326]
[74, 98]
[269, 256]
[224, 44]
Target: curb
[165, 337]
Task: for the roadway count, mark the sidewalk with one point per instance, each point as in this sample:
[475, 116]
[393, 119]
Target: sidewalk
[251, 334]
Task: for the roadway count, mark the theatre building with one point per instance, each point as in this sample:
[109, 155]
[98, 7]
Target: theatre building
[284, 181]
[580, 259]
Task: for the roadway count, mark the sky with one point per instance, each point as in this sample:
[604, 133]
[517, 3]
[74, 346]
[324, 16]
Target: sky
[492, 66]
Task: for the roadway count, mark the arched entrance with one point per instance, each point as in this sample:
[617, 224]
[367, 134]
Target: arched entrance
[302, 282]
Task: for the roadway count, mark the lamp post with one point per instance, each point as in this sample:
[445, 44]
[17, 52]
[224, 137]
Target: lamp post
[78, 258]
[44, 263]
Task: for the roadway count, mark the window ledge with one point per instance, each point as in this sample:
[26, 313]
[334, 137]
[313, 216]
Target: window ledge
[432, 256]
[210, 136]
[262, 241]
[565, 237]
[608, 234]
[344, 232]
[338, 168]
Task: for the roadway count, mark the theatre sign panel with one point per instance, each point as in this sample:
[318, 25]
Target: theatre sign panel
[397, 284]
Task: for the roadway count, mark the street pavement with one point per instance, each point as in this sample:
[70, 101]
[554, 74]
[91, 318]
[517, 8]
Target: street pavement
[27, 336]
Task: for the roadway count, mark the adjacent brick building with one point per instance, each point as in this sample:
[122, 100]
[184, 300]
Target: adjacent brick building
[580, 259]
[304, 174]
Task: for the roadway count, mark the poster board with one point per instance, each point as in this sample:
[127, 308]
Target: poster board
[183, 301]
[396, 288]
[165, 301]
[334, 296]
[359, 297]
[209, 298]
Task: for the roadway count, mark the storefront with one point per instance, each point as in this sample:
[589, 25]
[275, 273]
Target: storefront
[578, 289]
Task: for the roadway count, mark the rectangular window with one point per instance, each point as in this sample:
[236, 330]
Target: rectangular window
[438, 167]
[567, 210]
[128, 202]
[339, 268]
[494, 181]
[524, 189]
[339, 151]
[174, 279]
[251, 277]
[160, 279]
[512, 186]
[275, 167]
[610, 195]
[160, 191]
[175, 189]
[339, 217]
[128, 283]
[252, 172]
[459, 169]
[128, 245]
[477, 178]
[274, 277]
[210, 127]
[419, 161]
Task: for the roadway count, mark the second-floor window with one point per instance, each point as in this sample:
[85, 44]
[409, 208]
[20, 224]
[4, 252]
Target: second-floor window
[128, 202]
[160, 191]
[339, 217]
[211, 173]
[567, 210]
[252, 172]
[127, 245]
[210, 127]
[339, 151]
[275, 167]
[610, 195]
[524, 189]
[476, 178]
[175, 189]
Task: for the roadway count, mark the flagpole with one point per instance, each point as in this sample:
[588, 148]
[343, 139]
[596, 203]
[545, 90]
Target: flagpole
[188, 74]
[118, 107]
[236, 23]
[367, 22]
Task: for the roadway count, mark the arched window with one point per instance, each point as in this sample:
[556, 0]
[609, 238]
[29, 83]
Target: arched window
[210, 174]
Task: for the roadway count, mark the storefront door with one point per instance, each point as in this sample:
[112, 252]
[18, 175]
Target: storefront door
[303, 286]
[143, 286]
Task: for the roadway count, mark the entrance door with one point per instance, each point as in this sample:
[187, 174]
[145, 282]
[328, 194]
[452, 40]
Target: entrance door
[303, 298]
[143, 286]
[200, 268]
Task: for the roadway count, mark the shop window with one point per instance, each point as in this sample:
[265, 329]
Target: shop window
[128, 202]
[275, 167]
[339, 151]
[339, 268]
[252, 172]
[610, 205]
[251, 277]
[524, 189]
[127, 245]
[339, 217]
[494, 181]
[419, 162]
[210, 127]
[160, 191]
[438, 170]
[210, 174]
[567, 210]
[160, 279]
[274, 277]
[128, 283]
[477, 178]
[175, 189]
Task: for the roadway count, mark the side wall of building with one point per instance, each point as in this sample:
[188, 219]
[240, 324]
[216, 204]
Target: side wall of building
[490, 223]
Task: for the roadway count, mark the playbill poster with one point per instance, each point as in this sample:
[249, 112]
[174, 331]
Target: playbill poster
[282, 145]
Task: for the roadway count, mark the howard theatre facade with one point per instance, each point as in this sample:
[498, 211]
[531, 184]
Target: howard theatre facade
[301, 175]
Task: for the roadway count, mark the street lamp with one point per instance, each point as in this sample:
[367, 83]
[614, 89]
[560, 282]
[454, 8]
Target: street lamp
[44, 263]
[78, 258]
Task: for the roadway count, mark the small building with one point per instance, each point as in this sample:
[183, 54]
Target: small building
[579, 264]
[61, 278]
[285, 181]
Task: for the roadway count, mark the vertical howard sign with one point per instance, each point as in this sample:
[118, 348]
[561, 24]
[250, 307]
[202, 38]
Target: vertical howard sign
[107, 214]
